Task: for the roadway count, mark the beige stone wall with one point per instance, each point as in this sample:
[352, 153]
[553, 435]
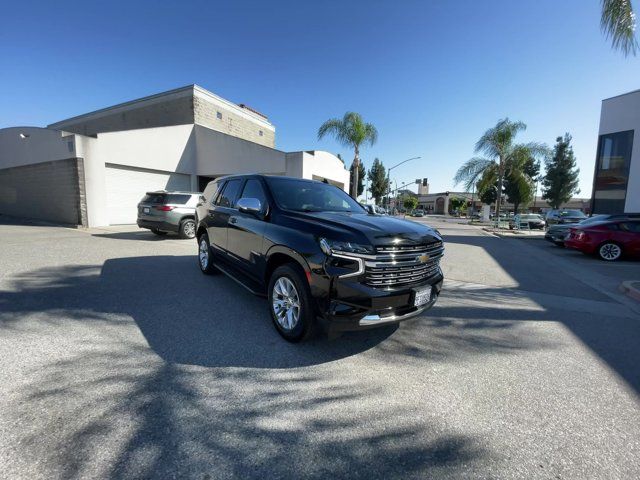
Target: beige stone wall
[206, 114]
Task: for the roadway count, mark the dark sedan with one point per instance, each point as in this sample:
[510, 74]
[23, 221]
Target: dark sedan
[564, 216]
[529, 221]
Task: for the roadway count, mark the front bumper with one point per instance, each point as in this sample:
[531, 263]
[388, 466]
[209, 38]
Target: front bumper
[356, 306]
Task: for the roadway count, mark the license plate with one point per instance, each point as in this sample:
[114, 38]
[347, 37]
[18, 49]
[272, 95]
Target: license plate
[145, 210]
[422, 297]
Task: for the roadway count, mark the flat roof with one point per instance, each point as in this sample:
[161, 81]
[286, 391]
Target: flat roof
[192, 89]
[622, 95]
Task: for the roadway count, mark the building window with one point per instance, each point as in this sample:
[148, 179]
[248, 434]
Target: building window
[260, 133]
[219, 115]
[612, 172]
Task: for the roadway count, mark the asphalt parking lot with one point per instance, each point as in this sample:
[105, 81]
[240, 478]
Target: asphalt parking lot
[121, 360]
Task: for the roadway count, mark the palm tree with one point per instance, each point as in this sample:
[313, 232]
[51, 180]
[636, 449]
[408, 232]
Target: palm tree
[351, 131]
[502, 156]
[618, 22]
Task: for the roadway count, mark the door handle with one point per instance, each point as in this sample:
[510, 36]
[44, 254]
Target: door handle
[211, 213]
[233, 220]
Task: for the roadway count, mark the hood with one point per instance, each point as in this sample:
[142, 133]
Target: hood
[373, 229]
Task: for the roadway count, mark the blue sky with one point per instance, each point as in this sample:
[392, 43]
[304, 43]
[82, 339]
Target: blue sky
[431, 75]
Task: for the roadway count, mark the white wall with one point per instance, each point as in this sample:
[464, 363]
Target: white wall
[220, 154]
[619, 114]
[325, 165]
[40, 145]
[189, 149]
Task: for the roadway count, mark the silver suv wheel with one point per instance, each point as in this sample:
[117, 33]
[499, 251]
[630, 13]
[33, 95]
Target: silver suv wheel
[286, 303]
[188, 229]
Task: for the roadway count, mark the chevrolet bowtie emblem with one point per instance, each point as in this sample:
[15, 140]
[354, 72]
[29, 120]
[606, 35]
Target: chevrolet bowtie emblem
[424, 258]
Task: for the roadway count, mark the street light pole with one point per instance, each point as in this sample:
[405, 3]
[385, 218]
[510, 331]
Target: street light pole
[389, 177]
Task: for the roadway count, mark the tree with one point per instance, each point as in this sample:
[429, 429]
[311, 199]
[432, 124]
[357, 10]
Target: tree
[379, 183]
[520, 188]
[361, 173]
[350, 131]
[618, 22]
[409, 202]
[561, 179]
[502, 156]
[487, 186]
[457, 203]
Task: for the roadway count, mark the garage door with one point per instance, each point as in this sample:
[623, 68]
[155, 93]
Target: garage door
[126, 187]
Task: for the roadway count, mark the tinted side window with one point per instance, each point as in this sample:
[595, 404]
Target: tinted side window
[178, 199]
[253, 189]
[230, 193]
[154, 198]
[630, 227]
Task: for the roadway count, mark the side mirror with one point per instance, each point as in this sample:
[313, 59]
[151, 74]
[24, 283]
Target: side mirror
[249, 205]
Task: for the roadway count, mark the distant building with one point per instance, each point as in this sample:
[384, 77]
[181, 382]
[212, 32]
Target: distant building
[439, 203]
[93, 169]
[616, 180]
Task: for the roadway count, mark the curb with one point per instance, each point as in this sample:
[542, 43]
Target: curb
[512, 235]
[631, 288]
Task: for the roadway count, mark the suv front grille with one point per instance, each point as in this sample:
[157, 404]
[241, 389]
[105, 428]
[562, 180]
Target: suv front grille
[403, 265]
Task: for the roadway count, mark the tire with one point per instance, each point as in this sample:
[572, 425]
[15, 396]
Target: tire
[187, 228]
[160, 233]
[609, 251]
[205, 262]
[288, 286]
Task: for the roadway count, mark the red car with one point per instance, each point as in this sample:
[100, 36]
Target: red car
[609, 240]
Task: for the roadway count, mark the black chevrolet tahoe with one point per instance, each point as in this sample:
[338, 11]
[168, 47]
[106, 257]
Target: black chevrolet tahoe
[316, 254]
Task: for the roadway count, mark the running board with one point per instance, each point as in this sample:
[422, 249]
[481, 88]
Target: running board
[236, 278]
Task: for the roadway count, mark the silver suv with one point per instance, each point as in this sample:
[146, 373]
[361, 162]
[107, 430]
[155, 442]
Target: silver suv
[163, 212]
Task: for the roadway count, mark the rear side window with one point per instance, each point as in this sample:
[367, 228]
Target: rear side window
[229, 194]
[154, 198]
[178, 199]
[630, 227]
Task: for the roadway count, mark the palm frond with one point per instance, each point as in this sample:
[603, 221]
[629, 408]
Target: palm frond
[471, 170]
[330, 126]
[488, 179]
[371, 133]
[618, 22]
[498, 139]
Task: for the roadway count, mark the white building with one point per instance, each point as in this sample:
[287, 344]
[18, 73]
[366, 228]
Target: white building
[93, 169]
[616, 181]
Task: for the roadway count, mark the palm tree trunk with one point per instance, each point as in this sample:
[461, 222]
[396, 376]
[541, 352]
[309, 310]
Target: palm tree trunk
[356, 172]
[499, 192]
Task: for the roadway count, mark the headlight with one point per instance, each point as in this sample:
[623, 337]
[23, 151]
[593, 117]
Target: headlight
[330, 247]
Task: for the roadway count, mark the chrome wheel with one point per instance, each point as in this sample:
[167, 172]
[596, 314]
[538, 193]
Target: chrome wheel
[286, 303]
[610, 251]
[203, 254]
[189, 229]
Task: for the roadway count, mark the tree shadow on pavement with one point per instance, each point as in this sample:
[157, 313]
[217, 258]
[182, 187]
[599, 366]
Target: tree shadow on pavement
[210, 390]
[185, 317]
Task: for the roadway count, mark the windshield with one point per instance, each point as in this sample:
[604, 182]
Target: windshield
[531, 217]
[572, 213]
[306, 196]
[594, 219]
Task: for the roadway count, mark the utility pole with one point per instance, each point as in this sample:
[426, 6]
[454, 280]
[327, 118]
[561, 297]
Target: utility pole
[389, 177]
